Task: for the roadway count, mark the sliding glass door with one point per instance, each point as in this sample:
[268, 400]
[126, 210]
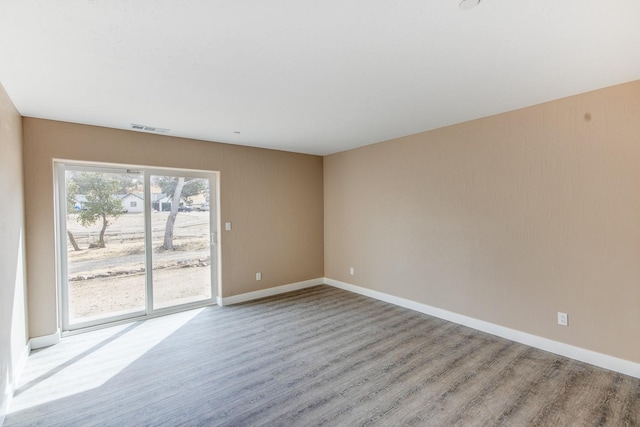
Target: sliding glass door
[182, 241]
[105, 244]
[134, 242]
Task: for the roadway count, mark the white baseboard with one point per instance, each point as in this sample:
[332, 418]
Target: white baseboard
[588, 356]
[235, 299]
[45, 340]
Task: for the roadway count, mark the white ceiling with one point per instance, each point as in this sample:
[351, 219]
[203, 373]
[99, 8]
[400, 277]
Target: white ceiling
[307, 76]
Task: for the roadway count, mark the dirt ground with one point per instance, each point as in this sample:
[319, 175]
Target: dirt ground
[125, 294]
[111, 281]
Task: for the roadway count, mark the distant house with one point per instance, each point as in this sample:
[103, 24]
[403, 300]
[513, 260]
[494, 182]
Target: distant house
[79, 202]
[132, 202]
[160, 202]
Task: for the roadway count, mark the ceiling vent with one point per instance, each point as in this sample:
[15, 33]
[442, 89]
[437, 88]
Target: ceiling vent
[146, 128]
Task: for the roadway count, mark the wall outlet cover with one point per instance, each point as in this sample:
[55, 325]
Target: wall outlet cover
[563, 319]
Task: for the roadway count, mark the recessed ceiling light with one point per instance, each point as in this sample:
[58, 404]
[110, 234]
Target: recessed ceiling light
[469, 4]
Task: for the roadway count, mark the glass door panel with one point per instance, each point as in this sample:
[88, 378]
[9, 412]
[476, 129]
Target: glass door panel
[134, 241]
[181, 241]
[105, 245]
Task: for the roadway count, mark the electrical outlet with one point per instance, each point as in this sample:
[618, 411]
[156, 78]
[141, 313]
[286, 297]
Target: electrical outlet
[258, 276]
[352, 271]
[227, 226]
[563, 319]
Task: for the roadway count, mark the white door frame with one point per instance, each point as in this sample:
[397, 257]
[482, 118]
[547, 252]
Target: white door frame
[60, 167]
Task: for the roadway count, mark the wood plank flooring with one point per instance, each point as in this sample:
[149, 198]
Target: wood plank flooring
[320, 356]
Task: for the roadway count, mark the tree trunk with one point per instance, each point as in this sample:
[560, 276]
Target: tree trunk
[167, 244]
[104, 228]
[73, 241]
[171, 219]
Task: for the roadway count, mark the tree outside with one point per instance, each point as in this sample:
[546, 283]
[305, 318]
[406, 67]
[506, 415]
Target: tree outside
[96, 197]
[101, 201]
[113, 280]
[180, 190]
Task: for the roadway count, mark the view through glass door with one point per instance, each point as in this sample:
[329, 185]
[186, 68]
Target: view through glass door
[105, 245]
[137, 242]
[181, 239]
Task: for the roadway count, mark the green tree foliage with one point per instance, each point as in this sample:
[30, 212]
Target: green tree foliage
[125, 182]
[130, 182]
[191, 187]
[72, 192]
[102, 202]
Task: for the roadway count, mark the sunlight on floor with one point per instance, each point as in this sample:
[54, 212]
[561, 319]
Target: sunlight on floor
[79, 364]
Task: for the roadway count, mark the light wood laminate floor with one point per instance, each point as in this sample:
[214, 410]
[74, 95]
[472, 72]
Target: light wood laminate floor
[319, 356]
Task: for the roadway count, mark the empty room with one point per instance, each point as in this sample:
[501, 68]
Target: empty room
[320, 213]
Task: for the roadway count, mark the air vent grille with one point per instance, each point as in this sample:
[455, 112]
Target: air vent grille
[146, 128]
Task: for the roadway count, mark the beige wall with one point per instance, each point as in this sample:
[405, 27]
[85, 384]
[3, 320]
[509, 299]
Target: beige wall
[274, 200]
[13, 328]
[508, 219]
